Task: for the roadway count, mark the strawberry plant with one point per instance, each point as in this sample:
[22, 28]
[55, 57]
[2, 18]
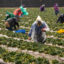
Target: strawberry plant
[20, 58]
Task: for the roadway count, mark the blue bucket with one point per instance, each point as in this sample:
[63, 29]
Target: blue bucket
[21, 31]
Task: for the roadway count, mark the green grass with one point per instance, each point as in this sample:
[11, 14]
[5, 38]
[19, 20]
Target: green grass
[23, 58]
[20, 58]
[49, 17]
[10, 42]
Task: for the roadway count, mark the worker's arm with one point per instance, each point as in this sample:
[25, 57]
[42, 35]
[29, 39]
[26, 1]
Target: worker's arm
[16, 24]
[30, 32]
[45, 27]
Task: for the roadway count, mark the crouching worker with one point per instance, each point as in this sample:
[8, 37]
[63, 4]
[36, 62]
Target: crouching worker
[12, 24]
[38, 31]
[61, 18]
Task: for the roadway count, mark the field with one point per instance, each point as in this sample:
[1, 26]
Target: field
[16, 49]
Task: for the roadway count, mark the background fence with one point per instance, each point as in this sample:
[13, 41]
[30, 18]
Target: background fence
[10, 3]
[30, 3]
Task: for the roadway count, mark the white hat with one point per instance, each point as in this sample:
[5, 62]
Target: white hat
[38, 18]
[43, 4]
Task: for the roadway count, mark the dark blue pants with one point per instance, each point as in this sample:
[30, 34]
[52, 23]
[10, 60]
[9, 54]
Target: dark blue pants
[56, 12]
[9, 28]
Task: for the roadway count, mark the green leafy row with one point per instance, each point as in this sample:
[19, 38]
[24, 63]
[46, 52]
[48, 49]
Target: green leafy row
[32, 46]
[23, 58]
[25, 36]
[55, 41]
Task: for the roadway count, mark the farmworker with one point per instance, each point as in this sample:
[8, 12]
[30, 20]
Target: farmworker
[42, 7]
[17, 12]
[61, 18]
[38, 31]
[12, 23]
[9, 15]
[56, 8]
[21, 11]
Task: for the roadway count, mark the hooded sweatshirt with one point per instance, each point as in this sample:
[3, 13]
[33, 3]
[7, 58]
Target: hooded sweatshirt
[35, 30]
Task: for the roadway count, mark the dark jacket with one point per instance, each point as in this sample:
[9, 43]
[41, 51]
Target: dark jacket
[13, 22]
[61, 19]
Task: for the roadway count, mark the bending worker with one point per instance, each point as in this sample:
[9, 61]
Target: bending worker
[61, 18]
[12, 23]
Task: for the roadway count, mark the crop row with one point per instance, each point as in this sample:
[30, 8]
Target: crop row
[55, 34]
[3, 31]
[25, 36]
[55, 41]
[23, 58]
[12, 34]
[52, 50]
[20, 58]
